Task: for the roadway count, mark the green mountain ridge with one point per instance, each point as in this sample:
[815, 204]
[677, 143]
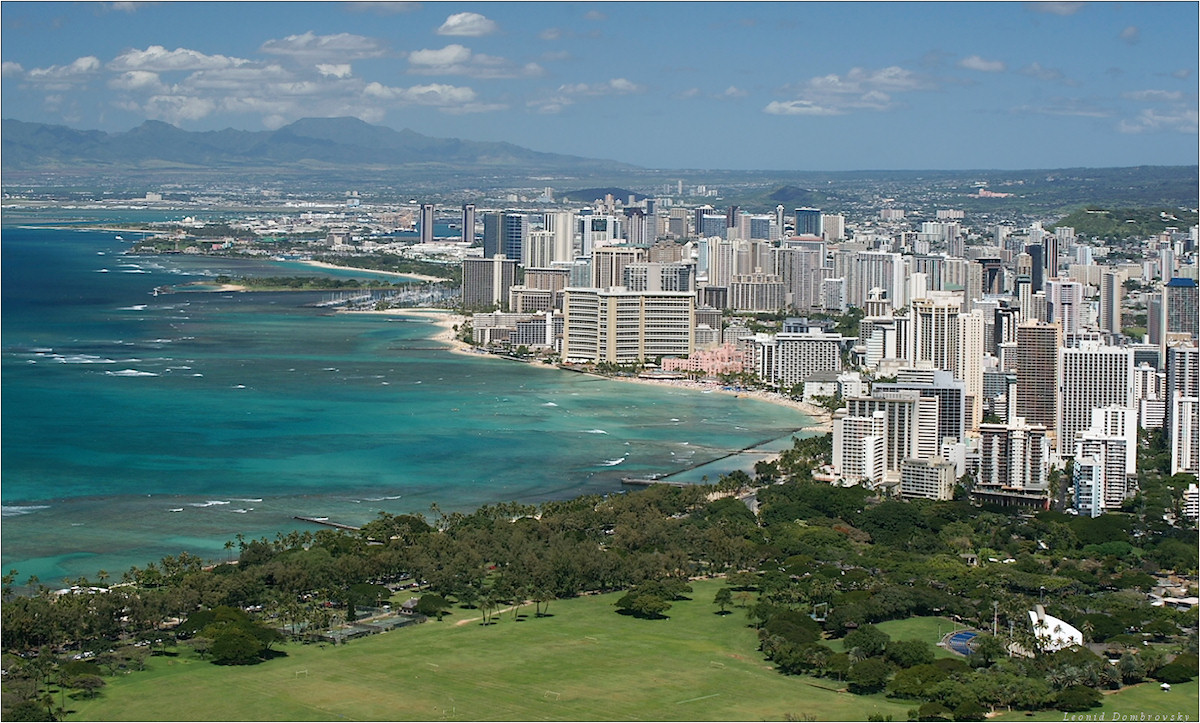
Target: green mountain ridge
[305, 144]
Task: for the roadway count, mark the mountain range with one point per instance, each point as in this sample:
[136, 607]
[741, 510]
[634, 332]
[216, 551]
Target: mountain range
[309, 144]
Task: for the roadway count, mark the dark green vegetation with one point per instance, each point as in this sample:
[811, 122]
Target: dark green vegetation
[1127, 223]
[821, 575]
[306, 283]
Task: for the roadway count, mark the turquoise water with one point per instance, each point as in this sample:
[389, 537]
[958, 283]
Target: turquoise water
[137, 426]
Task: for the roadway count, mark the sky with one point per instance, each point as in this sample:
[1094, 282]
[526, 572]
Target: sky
[719, 85]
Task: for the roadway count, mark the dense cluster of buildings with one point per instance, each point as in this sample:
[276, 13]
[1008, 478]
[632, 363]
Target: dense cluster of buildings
[997, 355]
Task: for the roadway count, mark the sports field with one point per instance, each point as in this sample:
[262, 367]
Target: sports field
[1142, 702]
[585, 662]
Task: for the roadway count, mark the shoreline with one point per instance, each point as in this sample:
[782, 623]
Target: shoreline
[325, 265]
[822, 421]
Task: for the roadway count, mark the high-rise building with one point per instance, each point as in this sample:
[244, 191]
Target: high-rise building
[808, 222]
[949, 392]
[609, 262]
[1181, 301]
[1090, 376]
[1106, 460]
[538, 251]
[859, 447]
[833, 227]
[788, 358]
[562, 225]
[654, 276]
[1064, 304]
[912, 424]
[1037, 266]
[623, 327]
[927, 479]
[752, 293]
[934, 328]
[967, 358]
[427, 222]
[1185, 435]
[486, 282]
[1014, 463]
[1037, 372]
[504, 233]
[1111, 292]
[468, 223]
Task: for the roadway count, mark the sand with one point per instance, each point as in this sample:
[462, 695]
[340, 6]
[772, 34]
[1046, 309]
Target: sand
[419, 277]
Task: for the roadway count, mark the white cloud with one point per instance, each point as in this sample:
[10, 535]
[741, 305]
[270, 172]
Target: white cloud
[615, 86]
[798, 107]
[733, 92]
[129, 7]
[158, 59]
[9, 69]
[594, 16]
[551, 34]
[63, 77]
[450, 55]
[136, 80]
[1131, 34]
[334, 70]
[471, 25]
[312, 47]
[458, 60]
[1078, 107]
[974, 62]
[1057, 8]
[1181, 120]
[1164, 96]
[1054, 75]
[446, 98]
[176, 108]
[859, 89]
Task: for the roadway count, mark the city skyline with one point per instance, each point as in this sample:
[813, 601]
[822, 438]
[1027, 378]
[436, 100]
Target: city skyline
[804, 86]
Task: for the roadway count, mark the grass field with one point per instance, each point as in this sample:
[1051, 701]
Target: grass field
[929, 629]
[585, 662]
[1143, 702]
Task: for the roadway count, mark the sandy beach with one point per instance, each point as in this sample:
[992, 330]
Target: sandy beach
[418, 277]
[447, 321]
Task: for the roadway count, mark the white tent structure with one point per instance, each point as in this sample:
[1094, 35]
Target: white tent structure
[1051, 633]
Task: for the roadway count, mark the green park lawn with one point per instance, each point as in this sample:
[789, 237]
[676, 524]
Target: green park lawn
[1142, 702]
[929, 629]
[584, 662]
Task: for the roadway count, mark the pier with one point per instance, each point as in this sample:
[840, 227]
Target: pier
[327, 523]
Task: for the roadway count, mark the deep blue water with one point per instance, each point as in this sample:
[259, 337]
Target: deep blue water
[136, 426]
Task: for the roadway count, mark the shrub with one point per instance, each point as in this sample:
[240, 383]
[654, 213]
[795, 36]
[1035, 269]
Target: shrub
[1075, 698]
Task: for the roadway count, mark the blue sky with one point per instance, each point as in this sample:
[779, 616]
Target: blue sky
[732, 85]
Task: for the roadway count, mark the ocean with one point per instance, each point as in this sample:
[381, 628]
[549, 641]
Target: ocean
[136, 425]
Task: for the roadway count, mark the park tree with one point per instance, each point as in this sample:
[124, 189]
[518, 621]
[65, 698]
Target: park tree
[723, 599]
[869, 640]
[868, 676]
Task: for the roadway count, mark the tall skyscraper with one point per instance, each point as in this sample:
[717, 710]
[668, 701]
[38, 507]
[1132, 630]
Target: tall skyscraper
[486, 281]
[1037, 372]
[912, 423]
[562, 225]
[808, 222]
[468, 223]
[1111, 293]
[934, 328]
[427, 214]
[1090, 376]
[968, 356]
[949, 392]
[1181, 306]
[504, 233]
[1037, 265]
[1064, 304]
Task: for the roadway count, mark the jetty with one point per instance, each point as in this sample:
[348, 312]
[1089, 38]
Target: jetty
[648, 481]
[327, 523]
